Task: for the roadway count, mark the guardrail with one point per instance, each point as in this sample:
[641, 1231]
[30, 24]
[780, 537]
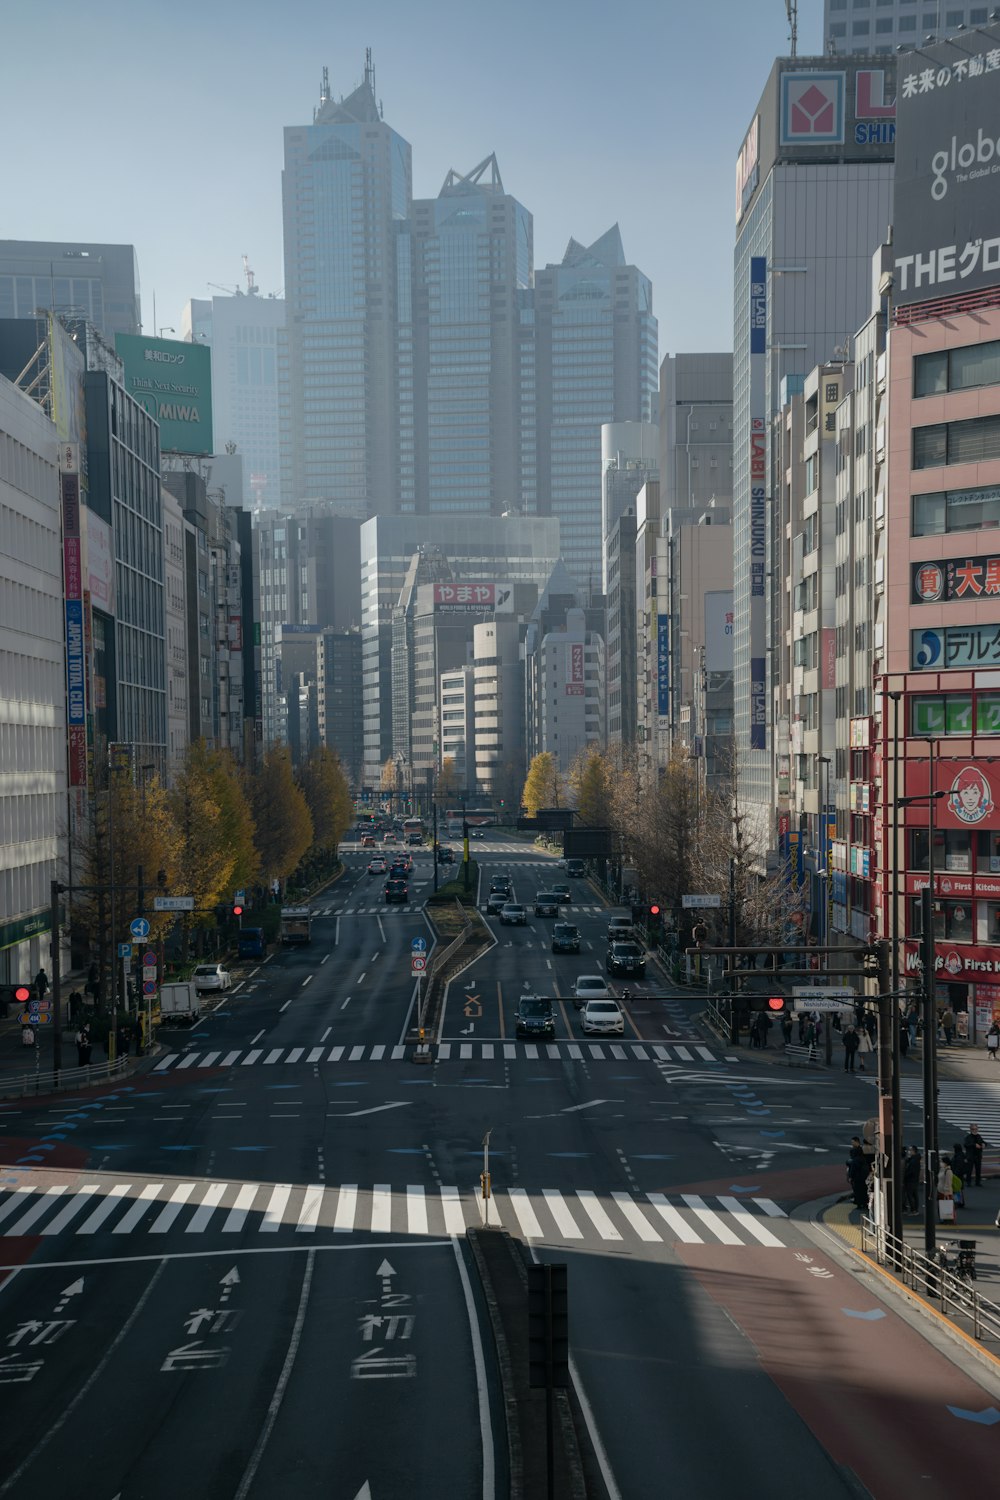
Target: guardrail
[21, 1084]
[934, 1278]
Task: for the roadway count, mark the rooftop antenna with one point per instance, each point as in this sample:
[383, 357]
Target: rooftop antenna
[252, 290]
[369, 71]
[324, 91]
[792, 12]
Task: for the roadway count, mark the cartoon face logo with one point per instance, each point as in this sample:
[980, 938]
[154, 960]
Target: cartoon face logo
[952, 963]
[970, 797]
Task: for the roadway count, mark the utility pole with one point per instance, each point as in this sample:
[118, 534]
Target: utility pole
[55, 891]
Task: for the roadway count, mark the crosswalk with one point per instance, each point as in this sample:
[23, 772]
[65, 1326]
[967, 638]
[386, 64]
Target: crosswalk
[959, 1105]
[382, 1052]
[155, 1208]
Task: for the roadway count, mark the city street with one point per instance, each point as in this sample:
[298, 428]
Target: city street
[242, 1272]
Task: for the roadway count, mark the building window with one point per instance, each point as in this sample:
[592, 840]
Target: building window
[964, 369]
[974, 441]
[952, 920]
[942, 511]
[952, 849]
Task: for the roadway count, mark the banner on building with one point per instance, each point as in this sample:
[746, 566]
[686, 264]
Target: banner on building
[574, 670]
[454, 598]
[970, 788]
[758, 502]
[172, 381]
[100, 563]
[955, 646]
[956, 578]
[719, 630]
[663, 665]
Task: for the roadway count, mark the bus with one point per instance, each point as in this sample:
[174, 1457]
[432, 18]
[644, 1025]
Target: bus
[414, 830]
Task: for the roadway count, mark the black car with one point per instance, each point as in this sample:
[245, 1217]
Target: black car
[626, 958]
[565, 938]
[446, 856]
[396, 890]
[546, 904]
[398, 871]
[562, 894]
[495, 903]
[513, 914]
[534, 1017]
[576, 869]
[501, 883]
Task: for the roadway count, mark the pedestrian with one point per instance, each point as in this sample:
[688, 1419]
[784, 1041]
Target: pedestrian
[857, 1176]
[83, 1046]
[871, 1026]
[904, 1039]
[764, 1026]
[850, 1048]
[911, 1181]
[786, 1029]
[41, 984]
[993, 1042]
[946, 1190]
[802, 1029]
[755, 1030]
[959, 1171]
[75, 1004]
[974, 1147]
[865, 1047]
[912, 1017]
[948, 1025]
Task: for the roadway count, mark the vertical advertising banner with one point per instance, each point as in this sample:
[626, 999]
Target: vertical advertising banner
[663, 665]
[758, 501]
[574, 674]
[76, 694]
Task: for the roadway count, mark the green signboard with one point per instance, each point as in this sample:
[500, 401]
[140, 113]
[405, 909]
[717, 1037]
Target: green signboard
[173, 382]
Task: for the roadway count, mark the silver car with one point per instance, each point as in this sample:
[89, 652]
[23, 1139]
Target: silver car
[211, 977]
[603, 1018]
[590, 987]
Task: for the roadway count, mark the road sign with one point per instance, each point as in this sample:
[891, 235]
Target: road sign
[139, 927]
[695, 903]
[149, 971]
[419, 945]
[418, 963]
[149, 986]
[802, 1005]
[124, 950]
[170, 903]
[841, 993]
[149, 957]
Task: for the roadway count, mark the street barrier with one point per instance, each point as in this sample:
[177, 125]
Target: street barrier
[932, 1278]
[67, 1078]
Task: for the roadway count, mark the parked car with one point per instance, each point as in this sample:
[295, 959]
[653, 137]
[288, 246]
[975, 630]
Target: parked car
[534, 1017]
[589, 987]
[576, 869]
[376, 865]
[563, 894]
[620, 930]
[546, 904]
[603, 1018]
[211, 977]
[513, 914]
[565, 938]
[626, 958]
[396, 890]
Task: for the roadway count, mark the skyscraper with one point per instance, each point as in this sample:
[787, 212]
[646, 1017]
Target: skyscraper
[99, 283]
[595, 362]
[880, 26]
[346, 187]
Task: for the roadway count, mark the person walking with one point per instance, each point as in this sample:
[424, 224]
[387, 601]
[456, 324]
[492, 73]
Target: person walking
[865, 1048]
[948, 1025]
[41, 984]
[83, 1046]
[946, 1191]
[857, 1176]
[802, 1028]
[912, 1017]
[763, 1027]
[786, 1029]
[974, 1147]
[959, 1172]
[904, 1039]
[755, 1031]
[851, 1043]
[911, 1181]
[993, 1042]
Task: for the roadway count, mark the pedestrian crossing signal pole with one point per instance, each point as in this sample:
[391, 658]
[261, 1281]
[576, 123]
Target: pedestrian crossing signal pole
[484, 1178]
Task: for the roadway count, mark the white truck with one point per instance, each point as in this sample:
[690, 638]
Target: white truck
[295, 924]
[179, 1002]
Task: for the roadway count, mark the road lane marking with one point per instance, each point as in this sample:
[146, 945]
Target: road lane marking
[283, 1008]
[565, 1222]
[357, 1053]
[237, 1215]
[312, 1202]
[255, 1039]
[167, 1062]
[770, 1208]
[214, 1194]
[280, 1194]
[167, 1215]
[380, 928]
[250, 1473]
[76, 1203]
[324, 958]
[677, 1222]
[530, 1227]
[381, 1220]
[750, 1222]
[252, 1057]
[416, 1210]
[105, 1209]
[347, 1208]
[503, 1032]
[230, 1058]
[711, 1220]
[272, 1056]
[346, 1003]
[36, 1210]
[592, 1207]
[454, 1218]
[308, 980]
[186, 1062]
[363, 977]
[336, 1053]
[326, 1033]
[378, 1052]
[315, 1054]
[127, 1223]
[635, 1217]
[482, 1387]
[294, 1054]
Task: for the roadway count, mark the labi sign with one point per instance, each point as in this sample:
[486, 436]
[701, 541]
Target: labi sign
[173, 382]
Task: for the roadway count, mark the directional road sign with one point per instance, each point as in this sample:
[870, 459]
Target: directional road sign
[419, 945]
[418, 963]
[139, 927]
[694, 903]
[843, 994]
[171, 903]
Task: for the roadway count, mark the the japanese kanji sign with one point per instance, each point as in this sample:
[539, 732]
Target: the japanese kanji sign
[956, 578]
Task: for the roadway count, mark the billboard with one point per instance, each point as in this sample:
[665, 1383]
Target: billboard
[663, 665]
[955, 646]
[453, 598]
[574, 670]
[100, 563]
[757, 311]
[173, 382]
[956, 578]
[719, 620]
[969, 789]
[946, 234]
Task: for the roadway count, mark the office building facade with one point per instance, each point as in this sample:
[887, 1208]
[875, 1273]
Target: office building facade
[696, 430]
[96, 283]
[884, 26]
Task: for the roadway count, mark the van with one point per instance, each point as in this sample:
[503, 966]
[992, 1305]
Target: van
[575, 868]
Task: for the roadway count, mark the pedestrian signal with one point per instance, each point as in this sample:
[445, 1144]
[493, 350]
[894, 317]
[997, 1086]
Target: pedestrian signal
[22, 994]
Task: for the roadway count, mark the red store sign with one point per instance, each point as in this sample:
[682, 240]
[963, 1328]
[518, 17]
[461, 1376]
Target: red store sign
[961, 962]
[971, 789]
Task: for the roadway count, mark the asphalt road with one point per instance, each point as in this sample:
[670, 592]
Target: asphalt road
[243, 1274]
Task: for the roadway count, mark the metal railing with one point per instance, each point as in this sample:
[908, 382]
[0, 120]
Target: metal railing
[956, 1295]
[20, 1084]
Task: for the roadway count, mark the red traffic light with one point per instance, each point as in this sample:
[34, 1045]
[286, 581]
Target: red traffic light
[654, 910]
[776, 1002]
[237, 911]
[22, 994]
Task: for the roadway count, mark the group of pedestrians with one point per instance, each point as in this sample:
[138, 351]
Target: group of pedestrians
[958, 1170]
[858, 1044]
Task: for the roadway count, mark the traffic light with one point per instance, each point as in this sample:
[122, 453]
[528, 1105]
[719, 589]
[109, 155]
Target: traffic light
[654, 912]
[776, 1004]
[237, 911]
[22, 994]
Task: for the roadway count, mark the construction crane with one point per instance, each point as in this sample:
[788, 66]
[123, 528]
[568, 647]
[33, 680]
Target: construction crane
[252, 290]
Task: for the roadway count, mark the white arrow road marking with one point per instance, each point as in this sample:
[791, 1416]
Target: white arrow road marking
[376, 1109]
[572, 1109]
[73, 1290]
[364, 1493]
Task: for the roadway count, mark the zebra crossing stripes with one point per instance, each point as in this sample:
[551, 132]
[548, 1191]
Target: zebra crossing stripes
[959, 1104]
[549, 1214]
[381, 1052]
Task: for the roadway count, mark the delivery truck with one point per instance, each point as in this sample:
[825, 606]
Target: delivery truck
[179, 1002]
[295, 924]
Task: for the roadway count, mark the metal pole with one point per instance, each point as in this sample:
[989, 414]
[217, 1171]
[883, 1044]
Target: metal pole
[930, 1029]
[55, 890]
[435, 844]
[550, 1394]
[892, 932]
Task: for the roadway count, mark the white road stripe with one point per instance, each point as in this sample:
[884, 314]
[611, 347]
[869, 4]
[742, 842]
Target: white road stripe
[336, 1053]
[444, 1051]
[574, 1052]
[552, 1049]
[711, 1220]
[750, 1222]
[378, 1052]
[357, 1053]
[416, 1210]
[167, 1215]
[592, 1207]
[17, 1199]
[237, 1215]
[188, 1061]
[271, 1221]
[770, 1208]
[315, 1055]
[704, 1052]
[105, 1209]
[617, 1052]
[295, 1054]
[251, 1057]
[633, 1214]
[676, 1220]
[521, 1204]
[312, 1202]
[347, 1207]
[381, 1209]
[596, 1051]
[272, 1056]
[36, 1210]
[661, 1053]
[398, 1053]
[229, 1059]
[487, 1051]
[209, 1059]
[214, 1194]
[640, 1052]
[531, 1051]
[454, 1219]
[509, 1050]
[565, 1222]
[65, 1215]
[683, 1054]
[168, 1061]
[149, 1194]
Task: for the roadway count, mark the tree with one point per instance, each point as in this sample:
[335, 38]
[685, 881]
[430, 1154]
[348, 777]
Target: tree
[283, 827]
[328, 797]
[387, 782]
[447, 782]
[236, 827]
[544, 786]
[207, 858]
[590, 780]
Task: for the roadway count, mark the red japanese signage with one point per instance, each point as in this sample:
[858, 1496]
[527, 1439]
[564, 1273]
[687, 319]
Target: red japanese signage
[949, 887]
[77, 734]
[956, 578]
[970, 787]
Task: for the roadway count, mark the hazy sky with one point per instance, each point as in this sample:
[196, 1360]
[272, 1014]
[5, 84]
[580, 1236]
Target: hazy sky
[161, 125]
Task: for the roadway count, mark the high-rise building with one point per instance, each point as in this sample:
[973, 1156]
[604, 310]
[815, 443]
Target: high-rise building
[595, 362]
[499, 709]
[813, 202]
[564, 675]
[630, 454]
[346, 189]
[697, 596]
[243, 332]
[33, 664]
[883, 26]
[621, 662]
[98, 283]
[696, 430]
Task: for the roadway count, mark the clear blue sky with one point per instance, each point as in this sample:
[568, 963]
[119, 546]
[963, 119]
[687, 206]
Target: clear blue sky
[160, 124]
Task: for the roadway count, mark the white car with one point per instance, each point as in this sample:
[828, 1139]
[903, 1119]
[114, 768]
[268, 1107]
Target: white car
[211, 977]
[603, 1017]
[377, 866]
[590, 987]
